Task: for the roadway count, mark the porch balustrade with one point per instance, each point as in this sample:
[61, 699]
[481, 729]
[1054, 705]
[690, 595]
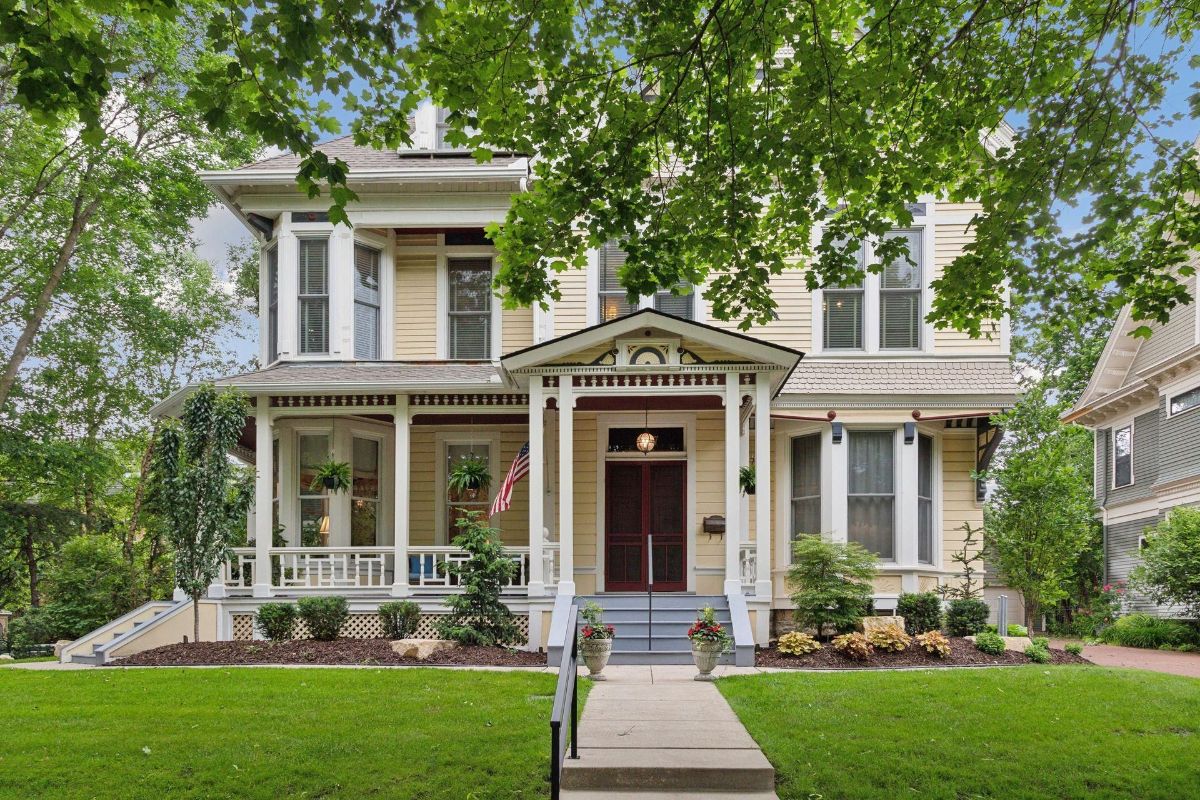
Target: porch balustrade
[748, 564]
[370, 568]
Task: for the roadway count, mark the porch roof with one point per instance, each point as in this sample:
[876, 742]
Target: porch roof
[986, 381]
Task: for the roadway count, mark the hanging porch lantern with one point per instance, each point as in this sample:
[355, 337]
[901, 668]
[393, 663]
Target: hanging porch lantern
[646, 440]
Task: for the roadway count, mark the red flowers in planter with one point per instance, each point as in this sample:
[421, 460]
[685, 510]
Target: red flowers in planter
[597, 632]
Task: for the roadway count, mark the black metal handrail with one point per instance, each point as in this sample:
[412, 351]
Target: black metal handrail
[568, 683]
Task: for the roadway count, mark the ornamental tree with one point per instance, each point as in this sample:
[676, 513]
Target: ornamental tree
[1170, 569]
[199, 492]
[830, 583]
[477, 614]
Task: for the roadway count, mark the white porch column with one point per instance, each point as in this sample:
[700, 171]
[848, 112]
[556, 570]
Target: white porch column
[537, 484]
[762, 482]
[400, 418]
[733, 500]
[263, 501]
[566, 486]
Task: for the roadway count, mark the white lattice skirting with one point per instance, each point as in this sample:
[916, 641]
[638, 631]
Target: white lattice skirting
[359, 626]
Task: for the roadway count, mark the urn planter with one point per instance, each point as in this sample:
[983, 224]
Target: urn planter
[595, 655]
[705, 656]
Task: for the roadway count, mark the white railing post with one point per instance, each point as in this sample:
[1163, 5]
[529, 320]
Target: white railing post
[762, 485]
[400, 418]
[733, 500]
[566, 486]
[263, 500]
[537, 463]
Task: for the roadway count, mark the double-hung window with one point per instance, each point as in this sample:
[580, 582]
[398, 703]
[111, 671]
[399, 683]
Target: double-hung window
[314, 499]
[313, 286]
[806, 484]
[273, 305]
[871, 500]
[364, 497]
[900, 296]
[470, 308]
[843, 313]
[924, 499]
[1123, 456]
[613, 300]
[366, 302]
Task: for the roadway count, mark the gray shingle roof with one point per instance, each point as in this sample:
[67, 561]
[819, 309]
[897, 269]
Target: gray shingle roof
[368, 158]
[379, 375]
[902, 377]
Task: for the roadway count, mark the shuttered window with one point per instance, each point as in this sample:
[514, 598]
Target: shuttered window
[1123, 456]
[900, 296]
[366, 302]
[272, 304]
[470, 308]
[925, 499]
[313, 291]
[806, 484]
[871, 501]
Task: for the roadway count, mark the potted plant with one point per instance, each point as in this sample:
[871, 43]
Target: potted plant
[595, 640]
[709, 640]
[332, 475]
[746, 479]
[469, 477]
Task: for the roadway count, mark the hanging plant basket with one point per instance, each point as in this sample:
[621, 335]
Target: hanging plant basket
[469, 477]
[333, 476]
[747, 480]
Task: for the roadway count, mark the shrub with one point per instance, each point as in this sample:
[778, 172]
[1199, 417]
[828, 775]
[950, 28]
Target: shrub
[890, 639]
[35, 627]
[276, 621]
[324, 616]
[935, 643]
[1013, 629]
[966, 617]
[3, 640]
[1037, 654]
[1042, 642]
[855, 646]
[1143, 630]
[88, 584]
[797, 644]
[1074, 648]
[990, 643]
[477, 615]
[922, 612]
[1170, 569]
[830, 583]
[399, 618]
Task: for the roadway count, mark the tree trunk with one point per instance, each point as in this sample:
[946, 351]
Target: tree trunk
[195, 619]
[139, 495]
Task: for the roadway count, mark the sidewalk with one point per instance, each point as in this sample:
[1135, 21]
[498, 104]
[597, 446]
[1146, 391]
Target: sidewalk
[653, 732]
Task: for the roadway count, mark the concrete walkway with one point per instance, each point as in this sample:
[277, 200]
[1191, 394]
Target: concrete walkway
[653, 732]
[1168, 661]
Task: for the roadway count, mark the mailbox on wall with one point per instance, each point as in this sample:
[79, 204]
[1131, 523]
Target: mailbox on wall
[714, 524]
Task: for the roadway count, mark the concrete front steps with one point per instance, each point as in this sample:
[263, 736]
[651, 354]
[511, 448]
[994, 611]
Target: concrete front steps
[656, 634]
[84, 650]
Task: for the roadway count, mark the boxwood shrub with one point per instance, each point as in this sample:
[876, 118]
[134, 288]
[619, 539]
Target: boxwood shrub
[990, 643]
[324, 616]
[966, 617]
[399, 618]
[276, 621]
[922, 612]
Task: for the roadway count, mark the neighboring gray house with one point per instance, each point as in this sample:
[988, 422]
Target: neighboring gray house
[1143, 402]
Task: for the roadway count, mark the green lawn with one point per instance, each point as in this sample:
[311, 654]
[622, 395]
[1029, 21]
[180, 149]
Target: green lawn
[273, 733]
[1026, 732]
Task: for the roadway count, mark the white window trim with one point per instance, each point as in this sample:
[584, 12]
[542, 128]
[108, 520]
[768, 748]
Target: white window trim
[444, 254]
[441, 535]
[1112, 449]
[1176, 392]
[316, 232]
[386, 245]
[935, 521]
[264, 301]
[871, 333]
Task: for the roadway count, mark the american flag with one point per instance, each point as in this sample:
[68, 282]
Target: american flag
[518, 470]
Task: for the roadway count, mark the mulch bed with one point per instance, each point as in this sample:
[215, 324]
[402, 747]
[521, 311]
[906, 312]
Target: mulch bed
[962, 654]
[356, 652]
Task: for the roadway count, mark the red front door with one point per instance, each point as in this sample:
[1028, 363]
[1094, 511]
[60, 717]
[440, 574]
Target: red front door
[644, 498]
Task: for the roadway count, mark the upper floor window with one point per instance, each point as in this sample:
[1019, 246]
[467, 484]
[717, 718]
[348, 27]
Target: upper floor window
[894, 297]
[366, 302]
[1123, 456]
[871, 492]
[1185, 401]
[806, 484]
[313, 294]
[613, 300]
[470, 308]
[272, 305]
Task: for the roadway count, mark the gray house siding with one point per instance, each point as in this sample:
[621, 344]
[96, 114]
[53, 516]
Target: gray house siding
[1121, 546]
[1167, 340]
[1180, 446]
[1145, 462]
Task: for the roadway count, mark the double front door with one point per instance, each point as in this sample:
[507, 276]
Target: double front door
[645, 501]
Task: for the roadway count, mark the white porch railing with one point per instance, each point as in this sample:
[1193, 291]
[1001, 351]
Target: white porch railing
[317, 568]
[748, 564]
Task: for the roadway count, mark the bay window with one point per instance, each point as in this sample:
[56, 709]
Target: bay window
[366, 302]
[364, 493]
[871, 492]
[313, 295]
[314, 502]
[924, 499]
[273, 305]
[470, 308]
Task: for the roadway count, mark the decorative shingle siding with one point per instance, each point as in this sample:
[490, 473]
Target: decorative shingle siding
[1145, 462]
[950, 376]
[1179, 454]
[1121, 556]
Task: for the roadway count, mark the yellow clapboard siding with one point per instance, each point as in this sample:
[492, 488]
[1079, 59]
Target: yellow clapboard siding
[570, 312]
[793, 328]
[949, 242]
[958, 493]
[517, 327]
[416, 305]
